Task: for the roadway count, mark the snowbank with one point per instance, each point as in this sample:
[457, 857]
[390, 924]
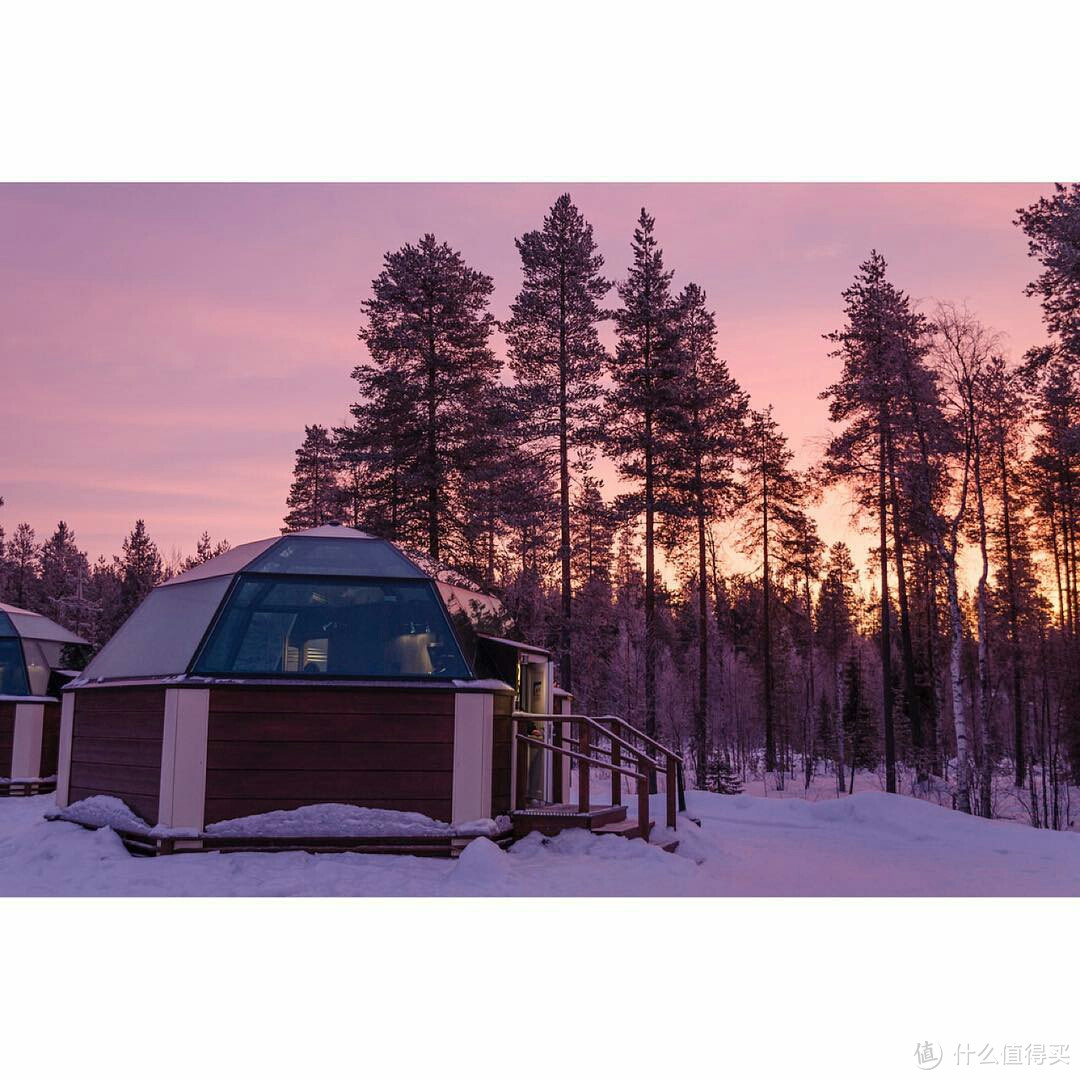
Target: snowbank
[324, 819]
[869, 844]
[103, 812]
[338, 819]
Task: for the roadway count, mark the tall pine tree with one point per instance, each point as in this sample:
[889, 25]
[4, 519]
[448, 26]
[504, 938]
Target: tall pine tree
[882, 398]
[556, 357]
[428, 333]
[771, 492]
[643, 374]
[705, 437]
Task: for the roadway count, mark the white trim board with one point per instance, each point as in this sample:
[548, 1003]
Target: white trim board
[26, 741]
[473, 734]
[182, 798]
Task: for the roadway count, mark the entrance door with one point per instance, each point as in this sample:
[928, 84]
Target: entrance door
[533, 697]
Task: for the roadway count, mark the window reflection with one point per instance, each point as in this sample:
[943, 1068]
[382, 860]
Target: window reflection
[37, 665]
[12, 671]
[319, 626]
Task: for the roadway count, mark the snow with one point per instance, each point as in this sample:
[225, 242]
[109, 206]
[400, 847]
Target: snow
[324, 819]
[336, 819]
[869, 844]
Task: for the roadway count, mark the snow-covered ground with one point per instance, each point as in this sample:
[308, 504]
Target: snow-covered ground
[869, 844]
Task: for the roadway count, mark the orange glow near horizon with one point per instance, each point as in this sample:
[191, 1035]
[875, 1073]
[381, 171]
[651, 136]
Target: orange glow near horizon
[164, 345]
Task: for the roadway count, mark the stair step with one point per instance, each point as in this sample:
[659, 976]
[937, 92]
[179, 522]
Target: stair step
[629, 829]
[551, 820]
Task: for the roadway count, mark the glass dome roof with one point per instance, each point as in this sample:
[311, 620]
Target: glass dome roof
[32, 646]
[331, 602]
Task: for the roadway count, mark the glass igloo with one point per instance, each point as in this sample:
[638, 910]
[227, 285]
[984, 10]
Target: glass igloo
[330, 603]
[32, 649]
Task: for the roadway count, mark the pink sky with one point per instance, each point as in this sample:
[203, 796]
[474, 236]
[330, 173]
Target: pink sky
[162, 346]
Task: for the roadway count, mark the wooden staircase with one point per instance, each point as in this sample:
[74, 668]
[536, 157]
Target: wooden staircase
[552, 820]
[607, 743]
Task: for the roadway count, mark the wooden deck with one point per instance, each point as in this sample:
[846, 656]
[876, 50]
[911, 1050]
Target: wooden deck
[442, 845]
[13, 788]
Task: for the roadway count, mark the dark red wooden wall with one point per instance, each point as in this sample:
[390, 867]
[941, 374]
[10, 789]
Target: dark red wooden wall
[50, 741]
[7, 735]
[116, 746]
[285, 747]
[501, 750]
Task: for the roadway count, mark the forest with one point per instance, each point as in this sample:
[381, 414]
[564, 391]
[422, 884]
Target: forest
[697, 599]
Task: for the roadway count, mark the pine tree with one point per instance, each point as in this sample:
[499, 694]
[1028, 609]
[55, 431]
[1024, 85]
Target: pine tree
[106, 612]
[63, 567]
[1052, 226]
[721, 775]
[23, 561]
[858, 720]
[706, 421]
[428, 331]
[644, 373]
[508, 485]
[377, 456]
[139, 568]
[205, 550]
[314, 498]
[882, 348]
[837, 607]
[594, 524]
[1007, 429]
[771, 504]
[556, 358]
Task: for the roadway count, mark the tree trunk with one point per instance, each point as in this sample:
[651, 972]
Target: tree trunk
[565, 632]
[650, 594]
[886, 646]
[766, 629]
[838, 674]
[913, 702]
[956, 680]
[811, 690]
[432, 455]
[986, 760]
[1019, 769]
[701, 748]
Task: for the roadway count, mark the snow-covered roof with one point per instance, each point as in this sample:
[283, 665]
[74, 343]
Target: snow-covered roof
[29, 624]
[459, 598]
[520, 645]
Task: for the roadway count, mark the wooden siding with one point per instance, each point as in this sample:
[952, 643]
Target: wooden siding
[50, 741]
[501, 753]
[283, 748]
[7, 735]
[116, 746]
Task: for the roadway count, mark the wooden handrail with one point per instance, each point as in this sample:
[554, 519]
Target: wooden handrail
[581, 757]
[594, 723]
[613, 753]
[641, 735]
[586, 755]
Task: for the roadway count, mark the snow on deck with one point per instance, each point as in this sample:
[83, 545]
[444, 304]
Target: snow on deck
[869, 844]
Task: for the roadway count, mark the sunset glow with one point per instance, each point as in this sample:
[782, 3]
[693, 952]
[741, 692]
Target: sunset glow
[164, 345]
